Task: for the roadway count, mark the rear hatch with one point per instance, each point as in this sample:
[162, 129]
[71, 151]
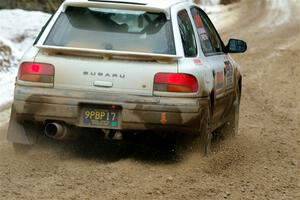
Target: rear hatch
[111, 50]
[113, 75]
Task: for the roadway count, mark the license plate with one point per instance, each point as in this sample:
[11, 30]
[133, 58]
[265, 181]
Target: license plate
[100, 117]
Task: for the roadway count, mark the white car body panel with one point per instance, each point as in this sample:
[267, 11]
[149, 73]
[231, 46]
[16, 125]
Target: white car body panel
[126, 76]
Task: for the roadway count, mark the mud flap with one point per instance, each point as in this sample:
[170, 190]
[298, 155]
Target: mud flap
[22, 133]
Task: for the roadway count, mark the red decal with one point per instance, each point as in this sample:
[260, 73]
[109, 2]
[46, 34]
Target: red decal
[163, 119]
[198, 21]
[228, 67]
[219, 80]
[197, 61]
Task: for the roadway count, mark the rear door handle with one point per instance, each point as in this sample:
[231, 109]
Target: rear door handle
[103, 84]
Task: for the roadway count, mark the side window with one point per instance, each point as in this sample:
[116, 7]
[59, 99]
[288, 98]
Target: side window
[187, 34]
[210, 42]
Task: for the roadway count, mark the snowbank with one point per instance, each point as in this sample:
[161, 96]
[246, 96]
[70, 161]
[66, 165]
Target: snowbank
[210, 2]
[7, 80]
[7, 57]
[18, 30]
[221, 15]
[280, 13]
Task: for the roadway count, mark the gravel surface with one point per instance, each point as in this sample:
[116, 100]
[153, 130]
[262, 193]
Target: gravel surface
[262, 162]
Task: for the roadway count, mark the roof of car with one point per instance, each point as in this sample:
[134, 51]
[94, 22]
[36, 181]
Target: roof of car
[164, 4]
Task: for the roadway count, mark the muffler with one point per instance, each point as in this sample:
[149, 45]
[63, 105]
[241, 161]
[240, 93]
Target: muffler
[56, 130]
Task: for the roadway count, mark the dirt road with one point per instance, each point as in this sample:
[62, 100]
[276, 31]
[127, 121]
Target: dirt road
[262, 162]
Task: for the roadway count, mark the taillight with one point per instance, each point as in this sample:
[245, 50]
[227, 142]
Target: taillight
[173, 82]
[36, 72]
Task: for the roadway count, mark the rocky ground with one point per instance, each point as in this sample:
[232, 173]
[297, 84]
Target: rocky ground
[38, 5]
[262, 162]
[5, 56]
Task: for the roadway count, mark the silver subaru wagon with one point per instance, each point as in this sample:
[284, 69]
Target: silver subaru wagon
[122, 66]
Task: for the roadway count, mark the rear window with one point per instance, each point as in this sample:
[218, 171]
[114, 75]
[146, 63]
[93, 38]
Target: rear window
[111, 29]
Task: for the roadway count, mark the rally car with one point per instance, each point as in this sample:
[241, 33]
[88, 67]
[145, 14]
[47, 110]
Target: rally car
[127, 66]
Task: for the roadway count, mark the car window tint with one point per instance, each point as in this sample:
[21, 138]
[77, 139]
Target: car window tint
[187, 34]
[113, 29]
[210, 42]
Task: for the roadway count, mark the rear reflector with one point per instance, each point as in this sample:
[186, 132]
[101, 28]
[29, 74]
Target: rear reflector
[36, 72]
[173, 82]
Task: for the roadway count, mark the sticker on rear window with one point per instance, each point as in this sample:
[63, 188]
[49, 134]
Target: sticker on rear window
[198, 21]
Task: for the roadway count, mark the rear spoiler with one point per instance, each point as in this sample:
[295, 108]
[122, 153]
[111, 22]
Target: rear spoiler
[109, 54]
[115, 5]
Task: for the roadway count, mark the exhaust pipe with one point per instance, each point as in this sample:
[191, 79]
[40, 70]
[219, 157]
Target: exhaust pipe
[118, 136]
[112, 134]
[56, 130]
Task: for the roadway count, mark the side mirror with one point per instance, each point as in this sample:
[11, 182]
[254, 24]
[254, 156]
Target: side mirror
[236, 46]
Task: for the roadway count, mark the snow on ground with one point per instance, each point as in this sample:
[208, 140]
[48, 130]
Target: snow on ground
[210, 2]
[18, 29]
[7, 80]
[221, 15]
[281, 13]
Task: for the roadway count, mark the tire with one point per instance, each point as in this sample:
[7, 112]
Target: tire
[205, 135]
[230, 128]
[200, 142]
[21, 148]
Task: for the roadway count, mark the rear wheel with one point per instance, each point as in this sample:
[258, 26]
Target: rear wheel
[200, 142]
[205, 138]
[230, 128]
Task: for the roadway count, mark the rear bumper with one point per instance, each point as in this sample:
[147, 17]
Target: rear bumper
[137, 112]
